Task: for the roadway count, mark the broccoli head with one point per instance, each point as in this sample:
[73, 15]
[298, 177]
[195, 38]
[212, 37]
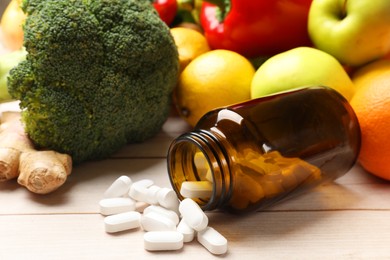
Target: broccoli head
[98, 75]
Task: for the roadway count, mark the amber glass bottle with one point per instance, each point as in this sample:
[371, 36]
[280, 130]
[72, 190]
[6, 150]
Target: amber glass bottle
[254, 154]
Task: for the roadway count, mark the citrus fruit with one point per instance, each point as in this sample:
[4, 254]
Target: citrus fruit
[190, 44]
[371, 103]
[299, 67]
[214, 79]
[11, 25]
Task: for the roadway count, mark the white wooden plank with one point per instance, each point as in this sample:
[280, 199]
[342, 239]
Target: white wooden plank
[270, 235]
[84, 188]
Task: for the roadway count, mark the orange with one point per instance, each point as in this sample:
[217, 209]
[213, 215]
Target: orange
[371, 103]
[11, 25]
[214, 79]
[190, 44]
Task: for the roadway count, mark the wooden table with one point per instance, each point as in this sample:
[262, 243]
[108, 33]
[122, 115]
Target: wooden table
[348, 219]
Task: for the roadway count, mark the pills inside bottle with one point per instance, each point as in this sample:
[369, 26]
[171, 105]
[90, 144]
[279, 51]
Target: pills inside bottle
[251, 155]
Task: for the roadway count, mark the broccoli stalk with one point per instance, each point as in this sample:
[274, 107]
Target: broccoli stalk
[98, 75]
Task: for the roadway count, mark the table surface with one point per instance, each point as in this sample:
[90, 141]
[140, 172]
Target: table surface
[348, 219]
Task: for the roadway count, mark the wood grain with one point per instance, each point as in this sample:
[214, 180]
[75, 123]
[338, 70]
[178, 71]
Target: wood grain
[347, 219]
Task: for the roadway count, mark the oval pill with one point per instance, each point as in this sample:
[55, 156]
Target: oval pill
[193, 215]
[163, 240]
[201, 164]
[200, 161]
[122, 221]
[196, 189]
[163, 211]
[168, 199]
[140, 206]
[209, 176]
[212, 240]
[118, 188]
[139, 190]
[151, 194]
[112, 206]
[156, 222]
[186, 230]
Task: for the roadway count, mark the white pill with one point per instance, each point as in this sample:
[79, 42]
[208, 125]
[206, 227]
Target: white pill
[122, 221]
[212, 240]
[201, 164]
[209, 176]
[118, 188]
[186, 230]
[163, 211]
[163, 240]
[196, 189]
[151, 194]
[112, 206]
[168, 199]
[139, 189]
[193, 215]
[140, 206]
[156, 222]
[200, 160]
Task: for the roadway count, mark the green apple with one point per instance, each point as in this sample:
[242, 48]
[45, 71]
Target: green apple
[354, 31]
[301, 67]
[7, 62]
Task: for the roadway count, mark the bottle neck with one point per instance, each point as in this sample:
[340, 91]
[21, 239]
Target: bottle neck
[201, 156]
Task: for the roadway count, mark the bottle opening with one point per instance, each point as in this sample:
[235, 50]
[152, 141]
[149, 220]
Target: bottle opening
[196, 170]
[190, 173]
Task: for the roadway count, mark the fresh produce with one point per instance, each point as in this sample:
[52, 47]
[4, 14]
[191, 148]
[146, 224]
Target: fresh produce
[190, 44]
[7, 62]
[13, 18]
[299, 67]
[166, 9]
[353, 31]
[39, 171]
[371, 103]
[188, 11]
[11, 25]
[255, 27]
[213, 79]
[98, 75]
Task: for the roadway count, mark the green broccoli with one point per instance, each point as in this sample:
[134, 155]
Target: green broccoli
[98, 75]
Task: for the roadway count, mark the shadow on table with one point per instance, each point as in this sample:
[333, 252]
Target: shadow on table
[287, 217]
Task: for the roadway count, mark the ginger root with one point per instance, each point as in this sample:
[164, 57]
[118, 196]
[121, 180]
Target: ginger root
[43, 171]
[13, 142]
[39, 171]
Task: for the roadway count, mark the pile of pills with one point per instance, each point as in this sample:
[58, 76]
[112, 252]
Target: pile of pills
[167, 222]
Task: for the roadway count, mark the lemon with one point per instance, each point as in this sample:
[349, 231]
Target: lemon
[214, 79]
[190, 44]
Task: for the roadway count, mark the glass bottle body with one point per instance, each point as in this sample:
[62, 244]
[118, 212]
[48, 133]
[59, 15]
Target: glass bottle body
[259, 152]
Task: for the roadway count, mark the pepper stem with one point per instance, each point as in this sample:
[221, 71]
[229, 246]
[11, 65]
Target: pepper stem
[219, 3]
[223, 6]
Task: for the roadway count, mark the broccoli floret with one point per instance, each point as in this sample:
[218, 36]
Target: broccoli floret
[98, 75]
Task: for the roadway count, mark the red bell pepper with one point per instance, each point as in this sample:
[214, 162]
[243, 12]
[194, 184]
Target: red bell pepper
[166, 9]
[255, 28]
